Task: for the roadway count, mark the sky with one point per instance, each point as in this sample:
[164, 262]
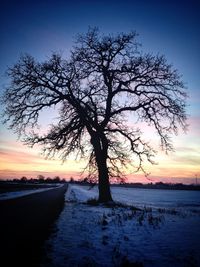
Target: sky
[168, 27]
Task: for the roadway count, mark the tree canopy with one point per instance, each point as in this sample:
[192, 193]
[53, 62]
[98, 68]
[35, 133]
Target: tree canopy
[106, 79]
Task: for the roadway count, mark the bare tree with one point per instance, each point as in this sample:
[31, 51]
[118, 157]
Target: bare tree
[105, 79]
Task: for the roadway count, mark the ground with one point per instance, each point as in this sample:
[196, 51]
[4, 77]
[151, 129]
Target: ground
[163, 231]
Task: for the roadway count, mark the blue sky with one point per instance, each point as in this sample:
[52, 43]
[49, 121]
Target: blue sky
[165, 27]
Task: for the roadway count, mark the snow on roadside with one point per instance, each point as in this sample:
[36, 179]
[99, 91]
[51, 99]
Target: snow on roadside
[76, 193]
[97, 236]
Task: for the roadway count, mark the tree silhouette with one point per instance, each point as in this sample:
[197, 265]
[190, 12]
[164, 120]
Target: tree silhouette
[24, 179]
[105, 80]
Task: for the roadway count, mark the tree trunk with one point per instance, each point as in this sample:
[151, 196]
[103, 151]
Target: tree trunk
[104, 185]
[100, 148]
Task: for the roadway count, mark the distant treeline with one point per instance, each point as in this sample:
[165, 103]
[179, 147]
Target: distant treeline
[39, 179]
[85, 181]
[158, 185]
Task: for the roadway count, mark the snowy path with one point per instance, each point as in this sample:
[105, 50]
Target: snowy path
[98, 236]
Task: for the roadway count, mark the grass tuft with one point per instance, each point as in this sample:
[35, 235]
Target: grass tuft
[110, 204]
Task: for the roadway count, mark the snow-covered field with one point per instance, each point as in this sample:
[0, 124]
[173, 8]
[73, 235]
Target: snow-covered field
[165, 232]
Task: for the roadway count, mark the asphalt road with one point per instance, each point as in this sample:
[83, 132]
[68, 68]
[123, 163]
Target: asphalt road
[25, 223]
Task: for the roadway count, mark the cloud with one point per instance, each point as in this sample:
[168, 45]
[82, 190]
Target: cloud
[188, 160]
[13, 156]
[187, 149]
[19, 162]
[194, 125]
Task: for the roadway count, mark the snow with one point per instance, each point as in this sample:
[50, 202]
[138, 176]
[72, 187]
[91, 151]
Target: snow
[164, 233]
[21, 193]
[80, 193]
[157, 198]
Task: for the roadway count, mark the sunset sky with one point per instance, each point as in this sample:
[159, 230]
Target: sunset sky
[168, 27]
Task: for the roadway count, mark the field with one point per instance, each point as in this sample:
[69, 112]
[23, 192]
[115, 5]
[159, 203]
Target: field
[162, 231]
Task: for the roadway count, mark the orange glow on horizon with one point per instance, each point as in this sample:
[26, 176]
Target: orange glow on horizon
[27, 162]
[17, 160]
